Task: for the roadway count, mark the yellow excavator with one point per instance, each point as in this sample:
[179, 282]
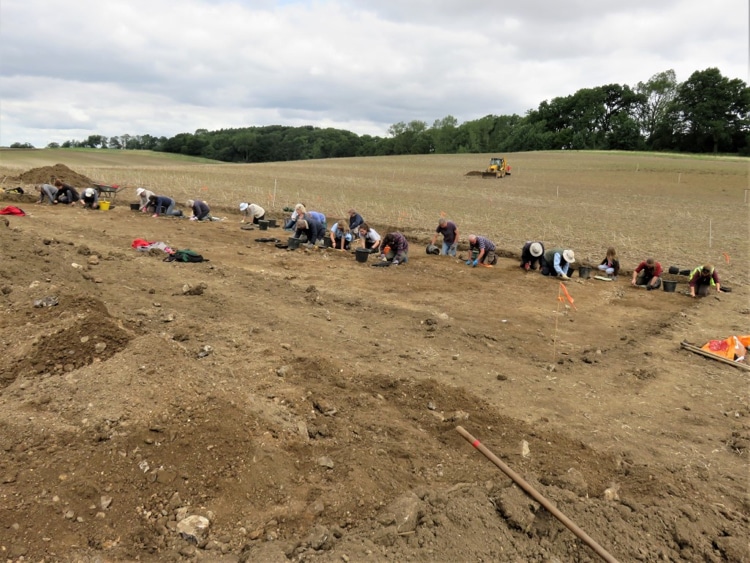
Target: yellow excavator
[498, 168]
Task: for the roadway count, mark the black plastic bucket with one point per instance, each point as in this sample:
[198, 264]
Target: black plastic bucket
[362, 254]
[584, 272]
[669, 285]
[293, 243]
[271, 223]
[263, 225]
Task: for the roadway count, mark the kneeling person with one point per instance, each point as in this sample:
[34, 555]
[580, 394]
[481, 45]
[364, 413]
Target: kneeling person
[395, 248]
[557, 261]
[647, 273]
[482, 251]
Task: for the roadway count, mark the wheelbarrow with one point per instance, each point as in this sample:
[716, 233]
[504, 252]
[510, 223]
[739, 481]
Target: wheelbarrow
[107, 194]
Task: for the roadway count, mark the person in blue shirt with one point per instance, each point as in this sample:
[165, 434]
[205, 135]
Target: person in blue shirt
[340, 237]
[163, 205]
[557, 261]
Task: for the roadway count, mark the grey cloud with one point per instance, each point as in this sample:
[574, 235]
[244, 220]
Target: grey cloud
[162, 67]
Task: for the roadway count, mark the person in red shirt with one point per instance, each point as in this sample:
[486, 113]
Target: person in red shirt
[648, 273]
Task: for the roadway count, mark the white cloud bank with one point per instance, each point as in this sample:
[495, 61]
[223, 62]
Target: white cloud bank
[73, 68]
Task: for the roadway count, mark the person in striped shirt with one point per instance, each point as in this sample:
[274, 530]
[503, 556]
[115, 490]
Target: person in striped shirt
[482, 251]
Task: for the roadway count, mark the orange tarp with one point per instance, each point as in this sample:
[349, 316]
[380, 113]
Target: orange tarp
[732, 348]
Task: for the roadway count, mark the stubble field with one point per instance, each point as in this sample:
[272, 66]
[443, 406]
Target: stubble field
[305, 404]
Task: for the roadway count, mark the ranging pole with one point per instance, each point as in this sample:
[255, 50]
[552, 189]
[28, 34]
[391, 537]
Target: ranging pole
[537, 496]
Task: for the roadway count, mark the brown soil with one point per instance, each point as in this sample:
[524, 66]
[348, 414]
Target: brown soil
[48, 174]
[306, 404]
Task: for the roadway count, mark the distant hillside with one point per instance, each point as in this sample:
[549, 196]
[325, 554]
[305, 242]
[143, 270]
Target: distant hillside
[33, 158]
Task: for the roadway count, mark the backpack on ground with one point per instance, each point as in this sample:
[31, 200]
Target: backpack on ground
[185, 255]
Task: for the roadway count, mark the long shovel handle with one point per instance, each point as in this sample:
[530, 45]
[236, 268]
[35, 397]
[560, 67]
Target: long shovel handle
[537, 496]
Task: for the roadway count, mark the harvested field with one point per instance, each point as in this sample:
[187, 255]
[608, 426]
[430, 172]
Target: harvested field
[305, 404]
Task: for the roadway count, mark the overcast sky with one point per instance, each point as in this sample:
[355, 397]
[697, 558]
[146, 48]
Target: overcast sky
[73, 68]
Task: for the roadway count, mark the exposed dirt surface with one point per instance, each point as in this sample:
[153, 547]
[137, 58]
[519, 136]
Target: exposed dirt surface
[48, 174]
[303, 405]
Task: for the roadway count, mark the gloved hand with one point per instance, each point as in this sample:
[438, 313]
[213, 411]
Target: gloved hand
[452, 248]
[383, 258]
[474, 263]
[395, 262]
[469, 262]
[194, 218]
[563, 277]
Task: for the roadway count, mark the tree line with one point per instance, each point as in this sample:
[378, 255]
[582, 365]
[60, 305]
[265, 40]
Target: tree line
[708, 113]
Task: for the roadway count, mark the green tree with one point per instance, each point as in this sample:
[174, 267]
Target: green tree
[658, 93]
[711, 112]
[444, 134]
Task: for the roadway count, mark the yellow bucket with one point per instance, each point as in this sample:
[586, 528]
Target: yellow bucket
[104, 205]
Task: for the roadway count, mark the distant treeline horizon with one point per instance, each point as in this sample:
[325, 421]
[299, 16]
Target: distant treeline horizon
[708, 113]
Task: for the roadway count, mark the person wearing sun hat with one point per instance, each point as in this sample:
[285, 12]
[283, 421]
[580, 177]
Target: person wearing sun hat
[252, 212]
[90, 198]
[557, 261]
[143, 198]
[531, 255]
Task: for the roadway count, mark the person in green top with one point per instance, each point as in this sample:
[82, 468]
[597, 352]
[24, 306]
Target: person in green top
[702, 279]
[557, 261]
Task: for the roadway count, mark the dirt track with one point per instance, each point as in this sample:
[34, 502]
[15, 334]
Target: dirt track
[305, 404]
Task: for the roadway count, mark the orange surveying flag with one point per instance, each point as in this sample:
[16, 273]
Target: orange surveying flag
[567, 295]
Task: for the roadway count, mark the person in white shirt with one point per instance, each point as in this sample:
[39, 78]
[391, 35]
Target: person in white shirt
[252, 212]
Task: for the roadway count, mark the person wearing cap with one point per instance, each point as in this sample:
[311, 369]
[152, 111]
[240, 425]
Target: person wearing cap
[482, 252]
[702, 279]
[252, 212]
[312, 229]
[201, 210]
[647, 274]
[355, 220]
[143, 198]
[531, 255]
[369, 237]
[46, 190]
[90, 198]
[395, 248]
[163, 205]
[557, 261]
[449, 230]
[340, 238]
[66, 193]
